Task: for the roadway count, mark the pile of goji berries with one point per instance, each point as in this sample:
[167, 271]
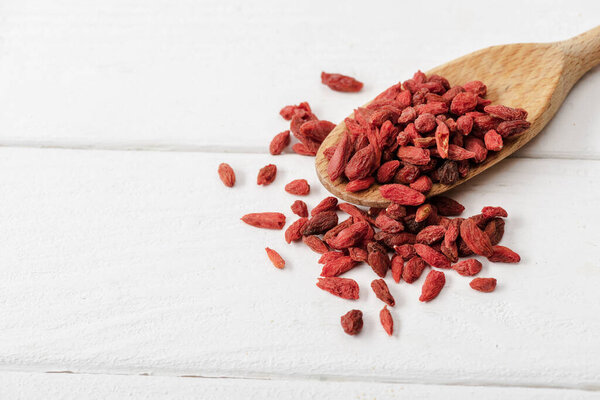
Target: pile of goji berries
[413, 121]
[420, 132]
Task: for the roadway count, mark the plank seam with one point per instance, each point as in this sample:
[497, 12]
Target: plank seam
[190, 148]
[301, 377]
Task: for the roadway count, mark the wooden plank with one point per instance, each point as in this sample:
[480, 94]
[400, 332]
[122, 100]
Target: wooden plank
[213, 75]
[136, 262]
[32, 385]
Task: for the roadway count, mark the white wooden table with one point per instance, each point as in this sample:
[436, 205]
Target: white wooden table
[124, 268]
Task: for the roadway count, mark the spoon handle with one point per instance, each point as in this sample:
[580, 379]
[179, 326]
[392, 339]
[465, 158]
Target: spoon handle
[583, 53]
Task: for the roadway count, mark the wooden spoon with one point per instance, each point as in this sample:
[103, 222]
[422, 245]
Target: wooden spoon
[533, 76]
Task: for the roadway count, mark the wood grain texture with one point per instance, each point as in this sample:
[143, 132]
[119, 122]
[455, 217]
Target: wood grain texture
[514, 78]
[28, 385]
[150, 74]
[118, 262]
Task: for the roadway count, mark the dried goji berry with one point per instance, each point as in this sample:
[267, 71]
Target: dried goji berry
[407, 174]
[341, 287]
[321, 222]
[266, 175]
[294, 231]
[504, 255]
[395, 211]
[300, 148]
[485, 285]
[330, 256]
[423, 212]
[387, 170]
[383, 292]
[406, 251]
[476, 87]
[352, 322]
[475, 239]
[463, 102]
[268, 220]
[388, 224]
[448, 173]
[315, 244]
[316, 130]
[299, 187]
[378, 259]
[395, 239]
[338, 161]
[350, 236]
[468, 267]
[431, 256]
[422, 184]
[279, 142]
[327, 204]
[275, 258]
[442, 137]
[357, 254]
[299, 208]
[341, 83]
[506, 113]
[447, 206]
[401, 194]
[434, 282]
[491, 212]
[338, 266]
[495, 230]
[413, 155]
[431, 234]
[360, 184]
[413, 269]
[386, 320]
[360, 164]
[425, 123]
[493, 141]
[288, 112]
[512, 128]
[457, 153]
[397, 264]
[226, 174]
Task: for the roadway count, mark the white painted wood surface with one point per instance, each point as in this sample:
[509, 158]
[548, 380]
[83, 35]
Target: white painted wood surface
[120, 263]
[136, 262]
[29, 386]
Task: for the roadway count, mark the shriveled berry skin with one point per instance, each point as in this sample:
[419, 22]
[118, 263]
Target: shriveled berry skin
[341, 287]
[432, 256]
[433, 285]
[383, 292]
[401, 194]
[341, 83]
[299, 187]
[327, 204]
[299, 208]
[413, 269]
[352, 322]
[485, 285]
[320, 223]
[275, 258]
[468, 267]
[385, 317]
[267, 220]
[504, 255]
[475, 239]
[266, 175]
[279, 143]
[226, 174]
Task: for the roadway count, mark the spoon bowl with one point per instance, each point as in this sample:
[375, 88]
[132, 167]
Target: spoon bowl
[534, 76]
